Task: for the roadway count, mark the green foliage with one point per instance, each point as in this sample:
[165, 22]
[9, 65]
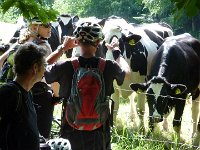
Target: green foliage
[138, 11]
[61, 6]
[29, 9]
[100, 9]
[10, 16]
[191, 7]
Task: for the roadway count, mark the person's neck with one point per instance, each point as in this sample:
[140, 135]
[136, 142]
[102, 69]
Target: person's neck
[32, 38]
[87, 55]
[25, 82]
[87, 51]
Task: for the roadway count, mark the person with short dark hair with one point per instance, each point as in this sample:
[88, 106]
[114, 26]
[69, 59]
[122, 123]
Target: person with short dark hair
[18, 119]
[38, 33]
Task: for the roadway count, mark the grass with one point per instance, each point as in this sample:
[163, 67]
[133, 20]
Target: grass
[125, 139]
[125, 135]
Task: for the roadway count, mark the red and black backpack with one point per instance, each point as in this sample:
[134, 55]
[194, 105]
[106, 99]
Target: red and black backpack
[87, 107]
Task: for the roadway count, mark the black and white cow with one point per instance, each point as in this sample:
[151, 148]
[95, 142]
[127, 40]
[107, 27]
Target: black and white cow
[65, 25]
[162, 28]
[174, 74]
[138, 46]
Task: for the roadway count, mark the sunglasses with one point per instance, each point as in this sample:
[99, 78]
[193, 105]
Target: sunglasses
[48, 25]
[45, 65]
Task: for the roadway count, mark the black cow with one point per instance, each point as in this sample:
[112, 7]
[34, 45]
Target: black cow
[175, 73]
[65, 27]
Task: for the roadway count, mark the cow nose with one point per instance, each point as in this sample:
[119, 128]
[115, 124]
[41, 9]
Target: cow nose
[156, 116]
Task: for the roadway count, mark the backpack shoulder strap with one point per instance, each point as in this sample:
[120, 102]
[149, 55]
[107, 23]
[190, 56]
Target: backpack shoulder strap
[75, 63]
[102, 63]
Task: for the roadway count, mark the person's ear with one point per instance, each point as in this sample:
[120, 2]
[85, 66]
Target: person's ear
[35, 68]
[34, 27]
[97, 42]
[77, 42]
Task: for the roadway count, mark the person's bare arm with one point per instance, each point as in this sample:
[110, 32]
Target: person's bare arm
[114, 46]
[68, 43]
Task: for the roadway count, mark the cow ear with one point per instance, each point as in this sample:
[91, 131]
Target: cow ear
[178, 89]
[139, 87]
[102, 22]
[75, 19]
[134, 39]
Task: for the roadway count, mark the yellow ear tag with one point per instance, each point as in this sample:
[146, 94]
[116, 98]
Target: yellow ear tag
[139, 91]
[132, 42]
[178, 91]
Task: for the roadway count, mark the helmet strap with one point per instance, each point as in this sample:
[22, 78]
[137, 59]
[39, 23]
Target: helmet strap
[34, 33]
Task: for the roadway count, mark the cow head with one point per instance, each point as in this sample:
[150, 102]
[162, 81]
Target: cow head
[131, 44]
[65, 19]
[160, 95]
[67, 24]
[110, 32]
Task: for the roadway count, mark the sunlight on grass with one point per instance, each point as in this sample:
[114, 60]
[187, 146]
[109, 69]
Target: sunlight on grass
[125, 135]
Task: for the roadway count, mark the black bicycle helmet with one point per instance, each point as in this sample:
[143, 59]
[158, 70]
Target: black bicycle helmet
[88, 32]
[34, 20]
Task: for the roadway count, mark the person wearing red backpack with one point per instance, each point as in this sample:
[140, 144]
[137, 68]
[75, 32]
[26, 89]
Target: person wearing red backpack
[86, 84]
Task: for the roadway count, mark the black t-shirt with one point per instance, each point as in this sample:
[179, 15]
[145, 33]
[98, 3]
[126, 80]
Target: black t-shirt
[62, 72]
[18, 119]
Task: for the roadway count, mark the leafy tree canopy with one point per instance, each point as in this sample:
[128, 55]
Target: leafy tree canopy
[191, 7]
[30, 8]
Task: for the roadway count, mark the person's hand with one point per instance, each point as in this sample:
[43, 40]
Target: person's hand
[113, 45]
[69, 43]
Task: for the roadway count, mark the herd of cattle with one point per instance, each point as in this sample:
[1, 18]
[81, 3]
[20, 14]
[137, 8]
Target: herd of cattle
[164, 67]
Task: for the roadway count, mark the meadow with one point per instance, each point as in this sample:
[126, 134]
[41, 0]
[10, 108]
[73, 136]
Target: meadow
[126, 135]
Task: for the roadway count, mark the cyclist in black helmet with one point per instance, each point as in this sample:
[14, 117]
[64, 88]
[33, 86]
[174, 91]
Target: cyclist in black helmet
[87, 36]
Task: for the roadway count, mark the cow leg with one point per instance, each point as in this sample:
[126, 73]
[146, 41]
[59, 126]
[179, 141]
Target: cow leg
[151, 126]
[195, 115]
[165, 122]
[115, 97]
[196, 139]
[133, 107]
[179, 107]
[140, 106]
[195, 118]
